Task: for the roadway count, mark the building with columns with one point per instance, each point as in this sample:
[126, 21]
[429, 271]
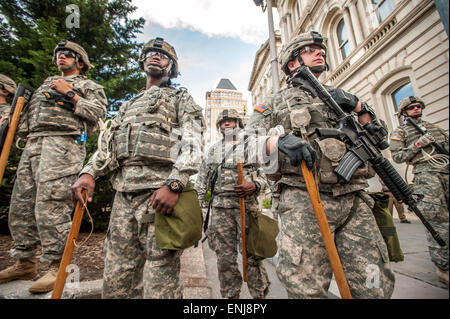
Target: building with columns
[379, 50]
[224, 96]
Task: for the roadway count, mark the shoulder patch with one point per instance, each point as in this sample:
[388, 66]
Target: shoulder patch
[396, 137]
[261, 108]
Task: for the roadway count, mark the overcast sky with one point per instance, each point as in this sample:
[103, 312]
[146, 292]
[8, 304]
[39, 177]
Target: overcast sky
[212, 38]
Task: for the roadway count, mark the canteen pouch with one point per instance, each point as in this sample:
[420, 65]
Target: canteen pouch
[183, 228]
[262, 232]
[386, 225]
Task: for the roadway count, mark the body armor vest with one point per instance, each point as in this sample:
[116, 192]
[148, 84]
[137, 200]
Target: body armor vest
[412, 135]
[44, 115]
[145, 134]
[299, 103]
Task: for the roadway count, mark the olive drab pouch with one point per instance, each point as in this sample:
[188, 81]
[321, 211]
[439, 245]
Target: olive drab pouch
[386, 225]
[183, 228]
[262, 232]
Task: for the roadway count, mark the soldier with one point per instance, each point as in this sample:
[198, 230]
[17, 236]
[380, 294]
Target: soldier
[7, 90]
[303, 265]
[430, 174]
[61, 112]
[149, 173]
[224, 232]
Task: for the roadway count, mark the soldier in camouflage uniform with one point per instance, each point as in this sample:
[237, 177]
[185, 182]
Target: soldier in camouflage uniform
[303, 265]
[154, 145]
[55, 125]
[224, 232]
[430, 174]
[7, 90]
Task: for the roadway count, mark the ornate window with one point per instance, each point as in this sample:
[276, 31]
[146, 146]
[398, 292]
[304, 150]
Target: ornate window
[383, 8]
[344, 45]
[402, 92]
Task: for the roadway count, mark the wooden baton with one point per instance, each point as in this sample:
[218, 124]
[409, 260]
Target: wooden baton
[242, 214]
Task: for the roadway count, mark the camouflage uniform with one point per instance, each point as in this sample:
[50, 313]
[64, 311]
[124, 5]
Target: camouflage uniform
[303, 265]
[41, 203]
[9, 86]
[156, 136]
[431, 184]
[4, 109]
[224, 231]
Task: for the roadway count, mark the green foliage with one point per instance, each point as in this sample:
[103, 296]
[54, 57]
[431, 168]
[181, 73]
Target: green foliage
[30, 30]
[267, 203]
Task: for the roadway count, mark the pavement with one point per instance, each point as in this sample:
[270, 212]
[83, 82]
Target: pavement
[415, 276]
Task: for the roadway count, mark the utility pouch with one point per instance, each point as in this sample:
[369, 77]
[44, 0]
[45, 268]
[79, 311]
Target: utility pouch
[330, 152]
[262, 232]
[183, 228]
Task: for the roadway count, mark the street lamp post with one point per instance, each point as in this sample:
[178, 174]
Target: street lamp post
[272, 44]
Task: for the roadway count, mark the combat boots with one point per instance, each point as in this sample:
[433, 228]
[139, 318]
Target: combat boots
[442, 275]
[46, 282]
[23, 269]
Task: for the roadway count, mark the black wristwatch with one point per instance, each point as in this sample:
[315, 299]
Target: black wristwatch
[69, 95]
[174, 185]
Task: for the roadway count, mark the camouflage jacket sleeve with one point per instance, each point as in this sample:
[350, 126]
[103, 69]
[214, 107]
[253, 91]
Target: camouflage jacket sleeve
[259, 128]
[401, 152]
[91, 105]
[189, 149]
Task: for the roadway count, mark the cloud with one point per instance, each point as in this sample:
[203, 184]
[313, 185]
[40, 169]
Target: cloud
[240, 19]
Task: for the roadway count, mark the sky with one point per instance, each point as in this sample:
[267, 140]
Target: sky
[213, 39]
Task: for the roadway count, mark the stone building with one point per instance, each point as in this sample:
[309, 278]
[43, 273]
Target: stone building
[223, 96]
[379, 50]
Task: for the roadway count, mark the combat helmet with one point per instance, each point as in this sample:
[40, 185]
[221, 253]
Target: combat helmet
[158, 44]
[83, 56]
[229, 114]
[8, 84]
[292, 50]
[407, 101]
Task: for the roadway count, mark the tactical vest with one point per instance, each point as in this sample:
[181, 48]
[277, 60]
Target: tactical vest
[44, 115]
[411, 135]
[297, 105]
[145, 134]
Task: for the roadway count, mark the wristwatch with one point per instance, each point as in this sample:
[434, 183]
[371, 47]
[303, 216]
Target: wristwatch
[69, 95]
[174, 185]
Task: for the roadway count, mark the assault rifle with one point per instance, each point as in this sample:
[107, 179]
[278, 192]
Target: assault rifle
[365, 143]
[9, 126]
[423, 131]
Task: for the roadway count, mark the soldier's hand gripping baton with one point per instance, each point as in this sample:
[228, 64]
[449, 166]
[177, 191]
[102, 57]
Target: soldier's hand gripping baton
[240, 169]
[68, 250]
[21, 98]
[365, 144]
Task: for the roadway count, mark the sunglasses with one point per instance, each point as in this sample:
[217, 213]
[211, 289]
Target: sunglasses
[412, 107]
[67, 53]
[151, 54]
[309, 49]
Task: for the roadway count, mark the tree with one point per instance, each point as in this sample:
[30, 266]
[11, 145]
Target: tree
[30, 30]
[33, 28]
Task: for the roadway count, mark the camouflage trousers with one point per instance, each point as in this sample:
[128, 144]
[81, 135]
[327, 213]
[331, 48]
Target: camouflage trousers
[224, 238]
[303, 266]
[134, 266]
[433, 190]
[41, 203]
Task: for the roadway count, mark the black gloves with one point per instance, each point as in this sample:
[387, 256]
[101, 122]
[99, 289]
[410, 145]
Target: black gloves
[346, 101]
[297, 149]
